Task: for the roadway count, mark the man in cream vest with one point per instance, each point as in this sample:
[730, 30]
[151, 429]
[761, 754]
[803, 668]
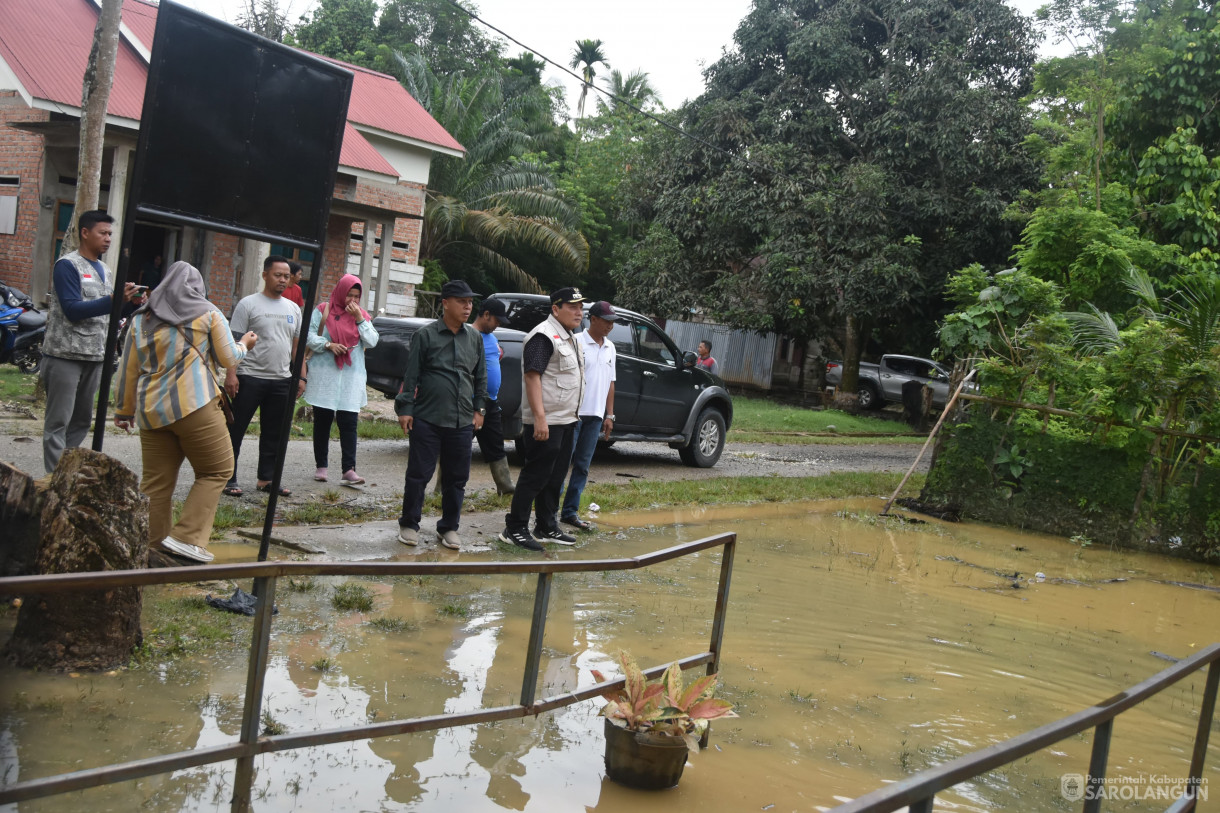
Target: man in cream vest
[552, 364]
[78, 315]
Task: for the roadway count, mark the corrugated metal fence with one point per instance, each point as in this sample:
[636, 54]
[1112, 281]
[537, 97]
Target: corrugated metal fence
[745, 357]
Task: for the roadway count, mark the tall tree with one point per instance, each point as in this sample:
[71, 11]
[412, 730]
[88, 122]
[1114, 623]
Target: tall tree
[634, 88]
[483, 209]
[265, 18]
[95, 97]
[341, 29]
[587, 56]
[443, 35]
[884, 146]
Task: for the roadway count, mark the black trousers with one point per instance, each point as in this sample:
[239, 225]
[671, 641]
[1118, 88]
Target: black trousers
[541, 480]
[322, 419]
[430, 443]
[269, 397]
[491, 436]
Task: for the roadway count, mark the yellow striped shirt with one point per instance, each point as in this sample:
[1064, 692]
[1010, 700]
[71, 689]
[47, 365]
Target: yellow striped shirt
[162, 379]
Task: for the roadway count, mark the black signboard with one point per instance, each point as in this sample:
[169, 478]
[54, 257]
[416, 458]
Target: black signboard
[238, 134]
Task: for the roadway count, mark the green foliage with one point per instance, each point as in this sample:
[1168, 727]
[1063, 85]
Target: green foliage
[490, 206]
[884, 141]
[996, 313]
[351, 596]
[340, 29]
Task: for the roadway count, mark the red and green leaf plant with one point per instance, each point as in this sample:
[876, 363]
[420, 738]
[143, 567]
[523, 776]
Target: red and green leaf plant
[666, 707]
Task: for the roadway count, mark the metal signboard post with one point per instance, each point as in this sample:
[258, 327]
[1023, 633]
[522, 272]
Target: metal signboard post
[239, 135]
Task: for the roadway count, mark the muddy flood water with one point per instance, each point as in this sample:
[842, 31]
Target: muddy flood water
[858, 651]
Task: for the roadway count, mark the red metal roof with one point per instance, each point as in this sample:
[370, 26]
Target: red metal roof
[357, 152]
[46, 43]
[141, 18]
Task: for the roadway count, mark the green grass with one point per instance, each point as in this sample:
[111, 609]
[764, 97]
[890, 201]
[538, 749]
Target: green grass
[14, 384]
[337, 513]
[176, 625]
[392, 623]
[350, 597]
[756, 415]
[641, 495]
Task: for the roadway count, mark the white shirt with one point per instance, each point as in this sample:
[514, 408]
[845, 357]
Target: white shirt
[599, 374]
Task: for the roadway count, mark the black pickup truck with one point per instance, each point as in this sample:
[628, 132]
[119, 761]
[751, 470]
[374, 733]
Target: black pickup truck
[659, 395]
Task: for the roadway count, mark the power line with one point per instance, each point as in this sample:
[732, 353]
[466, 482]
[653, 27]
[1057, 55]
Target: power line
[683, 133]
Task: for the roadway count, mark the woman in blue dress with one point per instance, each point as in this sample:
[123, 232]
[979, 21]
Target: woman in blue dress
[339, 331]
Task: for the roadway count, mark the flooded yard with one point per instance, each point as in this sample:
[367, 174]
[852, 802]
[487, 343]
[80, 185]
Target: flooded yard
[858, 651]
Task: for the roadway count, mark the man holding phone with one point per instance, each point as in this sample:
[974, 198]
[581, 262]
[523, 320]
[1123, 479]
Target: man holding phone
[78, 317]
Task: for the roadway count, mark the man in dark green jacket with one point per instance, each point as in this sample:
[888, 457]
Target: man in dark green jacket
[441, 406]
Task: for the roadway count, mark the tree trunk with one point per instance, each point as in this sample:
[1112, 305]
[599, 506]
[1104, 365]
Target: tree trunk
[95, 97]
[851, 356]
[20, 507]
[94, 518]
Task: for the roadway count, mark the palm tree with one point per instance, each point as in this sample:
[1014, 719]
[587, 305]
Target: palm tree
[587, 54]
[490, 201]
[634, 89]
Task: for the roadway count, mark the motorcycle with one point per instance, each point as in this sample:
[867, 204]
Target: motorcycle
[22, 327]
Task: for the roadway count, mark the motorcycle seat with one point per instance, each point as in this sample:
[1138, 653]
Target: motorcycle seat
[30, 320]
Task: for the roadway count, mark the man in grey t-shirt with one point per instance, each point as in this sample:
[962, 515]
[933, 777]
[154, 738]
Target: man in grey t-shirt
[263, 380]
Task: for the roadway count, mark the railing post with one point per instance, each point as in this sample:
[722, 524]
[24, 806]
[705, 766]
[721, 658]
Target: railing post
[923, 805]
[1207, 711]
[533, 655]
[722, 607]
[722, 603]
[1097, 766]
[256, 678]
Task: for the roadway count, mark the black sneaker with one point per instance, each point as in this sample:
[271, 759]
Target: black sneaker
[555, 535]
[522, 538]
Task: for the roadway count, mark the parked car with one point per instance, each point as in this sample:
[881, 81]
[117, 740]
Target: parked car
[659, 395]
[881, 383]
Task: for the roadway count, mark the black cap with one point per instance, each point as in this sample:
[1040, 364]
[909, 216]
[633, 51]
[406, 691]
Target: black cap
[604, 310]
[457, 289]
[563, 296]
[495, 307]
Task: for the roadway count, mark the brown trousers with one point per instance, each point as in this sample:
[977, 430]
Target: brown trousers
[202, 438]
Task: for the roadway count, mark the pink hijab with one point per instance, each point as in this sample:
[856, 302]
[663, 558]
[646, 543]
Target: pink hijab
[340, 323]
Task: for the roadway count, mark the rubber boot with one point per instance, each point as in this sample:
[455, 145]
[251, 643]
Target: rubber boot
[503, 477]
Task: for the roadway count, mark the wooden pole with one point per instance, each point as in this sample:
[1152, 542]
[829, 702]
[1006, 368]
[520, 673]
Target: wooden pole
[928, 442]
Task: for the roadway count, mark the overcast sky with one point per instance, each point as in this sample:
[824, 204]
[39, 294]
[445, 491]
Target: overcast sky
[670, 39]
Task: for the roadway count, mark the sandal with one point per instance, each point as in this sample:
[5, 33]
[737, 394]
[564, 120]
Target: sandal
[232, 491]
[266, 489]
[578, 523]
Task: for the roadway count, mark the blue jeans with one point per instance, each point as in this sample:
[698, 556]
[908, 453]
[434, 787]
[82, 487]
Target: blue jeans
[587, 430]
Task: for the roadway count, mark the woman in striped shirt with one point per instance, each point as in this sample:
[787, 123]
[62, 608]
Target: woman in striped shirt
[167, 389]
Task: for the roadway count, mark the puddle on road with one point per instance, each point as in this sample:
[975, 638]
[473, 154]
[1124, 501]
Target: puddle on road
[858, 651]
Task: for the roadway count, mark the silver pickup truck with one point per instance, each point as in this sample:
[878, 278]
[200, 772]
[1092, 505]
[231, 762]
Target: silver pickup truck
[880, 384]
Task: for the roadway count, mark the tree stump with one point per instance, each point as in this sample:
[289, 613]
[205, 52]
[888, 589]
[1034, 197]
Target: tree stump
[94, 518]
[20, 509]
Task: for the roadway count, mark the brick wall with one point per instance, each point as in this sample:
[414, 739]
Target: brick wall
[223, 270]
[20, 155]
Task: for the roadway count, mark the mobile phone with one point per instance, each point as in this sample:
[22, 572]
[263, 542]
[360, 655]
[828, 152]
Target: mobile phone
[141, 289]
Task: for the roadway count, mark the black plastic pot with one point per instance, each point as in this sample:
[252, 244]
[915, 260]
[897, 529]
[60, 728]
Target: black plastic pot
[643, 760]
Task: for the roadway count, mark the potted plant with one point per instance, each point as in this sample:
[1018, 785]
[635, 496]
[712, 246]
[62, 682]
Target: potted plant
[650, 727]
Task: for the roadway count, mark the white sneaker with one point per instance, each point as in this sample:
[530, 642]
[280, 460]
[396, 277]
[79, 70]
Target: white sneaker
[449, 539]
[408, 536]
[192, 552]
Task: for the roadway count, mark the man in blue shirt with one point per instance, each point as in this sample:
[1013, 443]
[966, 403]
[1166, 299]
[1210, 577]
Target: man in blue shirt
[78, 316]
[491, 436]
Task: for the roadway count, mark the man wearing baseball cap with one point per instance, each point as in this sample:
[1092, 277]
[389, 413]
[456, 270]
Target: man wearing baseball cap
[440, 407]
[492, 314]
[552, 365]
[596, 410]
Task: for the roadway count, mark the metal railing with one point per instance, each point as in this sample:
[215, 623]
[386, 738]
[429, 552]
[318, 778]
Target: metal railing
[918, 792]
[265, 574]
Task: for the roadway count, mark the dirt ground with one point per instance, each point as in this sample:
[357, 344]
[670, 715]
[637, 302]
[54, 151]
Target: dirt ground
[383, 462]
